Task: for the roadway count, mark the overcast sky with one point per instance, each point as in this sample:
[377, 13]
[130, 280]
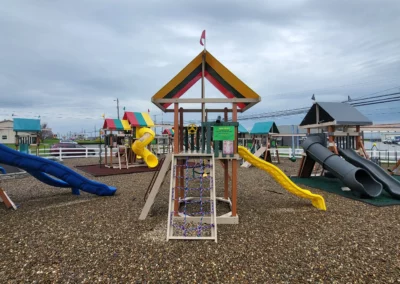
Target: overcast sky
[67, 61]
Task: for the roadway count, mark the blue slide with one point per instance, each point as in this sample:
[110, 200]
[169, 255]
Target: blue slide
[44, 169]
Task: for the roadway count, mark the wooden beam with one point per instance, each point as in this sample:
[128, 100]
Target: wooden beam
[176, 128]
[6, 200]
[207, 100]
[330, 123]
[156, 187]
[234, 165]
[199, 110]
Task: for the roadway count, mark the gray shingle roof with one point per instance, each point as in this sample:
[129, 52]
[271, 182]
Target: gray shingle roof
[342, 113]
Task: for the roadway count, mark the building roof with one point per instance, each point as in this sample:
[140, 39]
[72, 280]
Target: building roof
[264, 128]
[116, 124]
[138, 119]
[242, 129]
[332, 113]
[169, 131]
[216, 73]
[27, 125]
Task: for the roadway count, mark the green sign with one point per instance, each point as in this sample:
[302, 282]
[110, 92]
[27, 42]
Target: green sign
[221, 133]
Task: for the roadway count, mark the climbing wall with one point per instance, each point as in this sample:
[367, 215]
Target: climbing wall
[192, 203]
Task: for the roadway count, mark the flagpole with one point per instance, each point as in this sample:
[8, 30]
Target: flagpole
[203, 63]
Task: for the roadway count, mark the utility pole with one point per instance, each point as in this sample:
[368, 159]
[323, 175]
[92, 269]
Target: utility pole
[117, 107]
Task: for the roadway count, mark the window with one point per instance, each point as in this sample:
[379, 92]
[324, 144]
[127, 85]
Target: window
[4, 137]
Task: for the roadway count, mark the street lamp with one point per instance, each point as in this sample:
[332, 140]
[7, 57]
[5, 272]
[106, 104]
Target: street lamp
[117, 106]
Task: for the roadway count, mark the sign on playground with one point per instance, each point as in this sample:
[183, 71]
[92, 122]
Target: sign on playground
[221, 133]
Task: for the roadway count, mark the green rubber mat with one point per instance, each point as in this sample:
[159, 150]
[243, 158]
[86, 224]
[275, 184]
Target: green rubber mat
[334, 185]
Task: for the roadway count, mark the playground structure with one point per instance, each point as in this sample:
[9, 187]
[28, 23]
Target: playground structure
[264, 145]
[197, 148]
[26, 134]
[131, 140]
[338, 135]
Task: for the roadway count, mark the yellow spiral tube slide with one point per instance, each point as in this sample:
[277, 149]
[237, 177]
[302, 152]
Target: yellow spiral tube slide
[145, 136]
[316, 200]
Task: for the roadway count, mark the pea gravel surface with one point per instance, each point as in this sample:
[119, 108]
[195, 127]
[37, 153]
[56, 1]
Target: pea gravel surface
[55, 236]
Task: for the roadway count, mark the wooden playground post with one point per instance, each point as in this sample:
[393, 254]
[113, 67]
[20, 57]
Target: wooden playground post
[111, 147]
[358, 138]
[234, 164]
[331, 130]
[226, 165]
[105, 148]
[176, 151]
[181, 149]
[360, 143]
[176, 128]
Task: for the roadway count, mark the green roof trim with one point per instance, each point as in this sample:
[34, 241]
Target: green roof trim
[264, 128]
[27, 125]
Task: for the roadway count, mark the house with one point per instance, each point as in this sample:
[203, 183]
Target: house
[7, 134]
[26, 130]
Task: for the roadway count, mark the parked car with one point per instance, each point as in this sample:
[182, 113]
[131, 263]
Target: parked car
[387, 141]
[70, 149]
[68, 141]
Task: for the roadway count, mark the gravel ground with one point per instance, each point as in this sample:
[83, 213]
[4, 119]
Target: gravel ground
[58, 237]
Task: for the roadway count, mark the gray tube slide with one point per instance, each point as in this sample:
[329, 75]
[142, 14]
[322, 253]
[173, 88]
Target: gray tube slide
[389, 183]
[360, 182]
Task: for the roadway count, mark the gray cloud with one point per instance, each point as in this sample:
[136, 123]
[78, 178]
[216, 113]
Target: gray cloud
[68, 60]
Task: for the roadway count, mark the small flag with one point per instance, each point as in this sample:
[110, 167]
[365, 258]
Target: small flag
[348, 98]
[203, 36]
[313, 97]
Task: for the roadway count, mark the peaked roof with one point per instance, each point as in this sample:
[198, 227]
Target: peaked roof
[169, 131]
[138, 119]
[216, 73]
[26, 124]
[333, 113]
[264, 128]
[116, 124]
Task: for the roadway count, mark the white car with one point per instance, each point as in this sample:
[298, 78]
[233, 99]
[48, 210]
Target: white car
[68, 141]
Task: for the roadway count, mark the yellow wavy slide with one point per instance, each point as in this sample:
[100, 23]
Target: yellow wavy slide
[316, 200]
[145, 136]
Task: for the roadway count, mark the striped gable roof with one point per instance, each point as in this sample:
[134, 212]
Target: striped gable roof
[216, 73]
[116, 124]
[138, 119]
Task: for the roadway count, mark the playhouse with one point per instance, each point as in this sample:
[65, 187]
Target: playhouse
[341, 122]
[26, 133]
[199, 149]
[130, 138]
